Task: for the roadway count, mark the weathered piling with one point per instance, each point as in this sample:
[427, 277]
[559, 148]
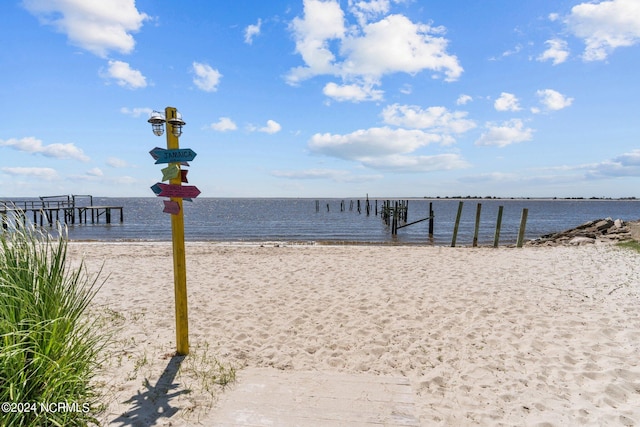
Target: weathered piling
[496, 236]
[523, 225]
[476, 230]
[431, 220]
[456, 225]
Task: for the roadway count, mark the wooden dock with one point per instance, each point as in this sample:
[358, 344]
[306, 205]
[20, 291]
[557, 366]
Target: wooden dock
[51, 210]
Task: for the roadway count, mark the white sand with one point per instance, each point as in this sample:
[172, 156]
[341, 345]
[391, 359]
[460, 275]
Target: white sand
[533, 336]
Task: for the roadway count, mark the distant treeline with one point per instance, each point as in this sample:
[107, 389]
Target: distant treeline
[530, 198]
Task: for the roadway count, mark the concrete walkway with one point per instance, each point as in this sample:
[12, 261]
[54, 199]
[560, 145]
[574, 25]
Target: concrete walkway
[271, 397]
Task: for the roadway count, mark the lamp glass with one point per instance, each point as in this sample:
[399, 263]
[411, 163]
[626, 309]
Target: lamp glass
[158, 128]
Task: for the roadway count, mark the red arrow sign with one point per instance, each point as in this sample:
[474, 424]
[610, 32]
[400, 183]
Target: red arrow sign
[174, 190]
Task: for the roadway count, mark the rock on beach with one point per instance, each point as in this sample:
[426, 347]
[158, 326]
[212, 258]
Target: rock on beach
[604, 230]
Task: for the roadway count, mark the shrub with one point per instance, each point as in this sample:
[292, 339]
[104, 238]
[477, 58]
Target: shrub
[48, 348]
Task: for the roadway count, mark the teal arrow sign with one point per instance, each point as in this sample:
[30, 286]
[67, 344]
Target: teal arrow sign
[170, 156]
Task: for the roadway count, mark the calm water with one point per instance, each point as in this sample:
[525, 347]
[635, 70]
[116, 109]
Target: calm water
[296, 220]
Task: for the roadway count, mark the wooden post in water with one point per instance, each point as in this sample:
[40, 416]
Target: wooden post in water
[496, 237]
[477, 228]
[431, 220]
[457, 224]
[523, 224]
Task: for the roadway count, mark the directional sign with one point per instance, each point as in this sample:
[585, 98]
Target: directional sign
[171, 207]
[170, 172]
[173, 190]
[170, 156]
[156, 189]
[183, 177]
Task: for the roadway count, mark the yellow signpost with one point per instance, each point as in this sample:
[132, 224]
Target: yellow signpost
[174, 130]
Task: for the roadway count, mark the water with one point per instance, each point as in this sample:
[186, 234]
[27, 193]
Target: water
[296, 220]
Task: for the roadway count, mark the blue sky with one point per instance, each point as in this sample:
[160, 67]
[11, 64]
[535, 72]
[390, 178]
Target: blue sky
[293, 98]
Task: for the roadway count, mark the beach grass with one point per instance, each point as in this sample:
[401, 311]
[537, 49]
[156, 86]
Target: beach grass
[630, 244]
[49, 350]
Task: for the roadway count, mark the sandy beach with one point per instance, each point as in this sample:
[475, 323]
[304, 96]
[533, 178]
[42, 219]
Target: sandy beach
[544, 336]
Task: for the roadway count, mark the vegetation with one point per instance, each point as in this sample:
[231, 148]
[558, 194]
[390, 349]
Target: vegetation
[48, 348]
[630, 244]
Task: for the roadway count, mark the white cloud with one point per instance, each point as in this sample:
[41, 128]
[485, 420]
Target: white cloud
[627, 164]
[510, 132]
[323, 21]
[395, 44]
[557, 51]
[553, 100]
[352, 92]
[97, 172]
[404, 163]
[124, 75]
[136, 112]
[207, 78]
[271, 127]
[335, 175]
[224, 124]
[507, 102]
[463, 99]
[33, 145]
[96, 26]
[47, 174]
[437, 119]
[361, 54]
[251, 31]
[386, 149]
[605, 26]
[117, 163]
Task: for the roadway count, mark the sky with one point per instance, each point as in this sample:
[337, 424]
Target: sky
[324, 98]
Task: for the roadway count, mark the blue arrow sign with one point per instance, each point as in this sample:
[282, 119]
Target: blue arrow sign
[172, 156]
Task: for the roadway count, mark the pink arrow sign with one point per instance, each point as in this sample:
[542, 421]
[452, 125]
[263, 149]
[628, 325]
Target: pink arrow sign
[173, 190]
[171, 207]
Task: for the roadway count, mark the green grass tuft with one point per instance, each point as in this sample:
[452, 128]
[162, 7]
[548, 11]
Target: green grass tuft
[49, 350]
[630, 244]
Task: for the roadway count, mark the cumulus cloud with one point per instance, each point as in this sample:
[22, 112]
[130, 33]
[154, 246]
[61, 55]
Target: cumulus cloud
[251, 31]
[96, 26]
[33, 145]
[361, 54]
[97, 172]
[605, 26]
[271, 127]
[352, 92]
[553, 100]
[386, 149]
[507, 102]
[47, 174]
[124, 75]
[557, 52]
[207, 78]
[436, 119]
[463, 99]
[510, 132]
[224, 124]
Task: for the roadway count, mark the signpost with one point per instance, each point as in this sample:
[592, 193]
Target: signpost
[175, 157]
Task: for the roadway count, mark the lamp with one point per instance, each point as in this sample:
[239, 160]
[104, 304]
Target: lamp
[176, 124]
[157, 123]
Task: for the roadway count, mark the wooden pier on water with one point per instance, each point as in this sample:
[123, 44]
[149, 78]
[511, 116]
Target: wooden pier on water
[394, 214]
[51, 210]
